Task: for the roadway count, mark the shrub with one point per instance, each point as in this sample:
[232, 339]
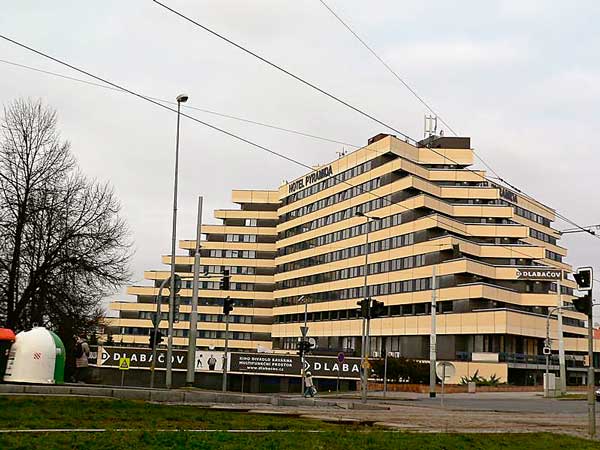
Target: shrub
[402, 370]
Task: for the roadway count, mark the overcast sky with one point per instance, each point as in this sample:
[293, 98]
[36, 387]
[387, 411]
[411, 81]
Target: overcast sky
[519, 77]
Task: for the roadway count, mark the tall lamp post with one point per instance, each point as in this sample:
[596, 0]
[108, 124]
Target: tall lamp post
[181, 98]
[365, 348]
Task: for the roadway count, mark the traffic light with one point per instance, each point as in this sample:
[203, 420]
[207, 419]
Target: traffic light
[584, 304]
[371, 308]
[176, 305]
[364, 307]
[227, 306]
[584, 277]
[303, 347]
[377, 309]
[159, 338]
[224, 283]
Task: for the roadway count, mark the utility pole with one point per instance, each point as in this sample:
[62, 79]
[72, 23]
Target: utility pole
[304, 333]
[432, 339]
[561, 341]
[227, 308]
[385, 364]
[591, 375]
[584, 277]
[158, 302]
[225, 353]
[191, 369]
[365, 337]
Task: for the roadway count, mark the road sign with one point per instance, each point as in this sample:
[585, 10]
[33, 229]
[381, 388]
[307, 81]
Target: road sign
[304, 331]
[539, 274]
[445, 370]
[341, 357]
[547, 351]
[124, 363]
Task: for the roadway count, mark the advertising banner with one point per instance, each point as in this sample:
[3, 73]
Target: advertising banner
[247, 363]
[142, 357]
[290, 365]
[209, 361]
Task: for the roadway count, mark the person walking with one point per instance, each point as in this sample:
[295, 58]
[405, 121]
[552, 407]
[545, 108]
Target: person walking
[82, 353]
[309, 385]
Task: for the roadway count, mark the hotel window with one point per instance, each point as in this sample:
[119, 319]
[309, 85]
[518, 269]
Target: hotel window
[249, 238]
[232, 238]
[216, 253]
[250, 222]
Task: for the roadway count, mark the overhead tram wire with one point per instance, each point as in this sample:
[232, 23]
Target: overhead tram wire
[387, 66]
[418, 97]
[360, 111]
[228, 133]
[404, 82]
[285, 71]
[228, 116]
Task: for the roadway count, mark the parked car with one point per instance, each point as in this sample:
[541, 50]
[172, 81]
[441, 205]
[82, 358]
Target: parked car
[598, 395]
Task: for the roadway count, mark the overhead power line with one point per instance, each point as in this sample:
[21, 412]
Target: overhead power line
[404, 83]
[233, 135]
[418, 97]
[387, 66]
[588, 228]
[285, 71]
[215, 113]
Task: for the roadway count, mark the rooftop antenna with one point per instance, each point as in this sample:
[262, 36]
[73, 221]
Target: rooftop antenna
[431, 123]
[341, 154]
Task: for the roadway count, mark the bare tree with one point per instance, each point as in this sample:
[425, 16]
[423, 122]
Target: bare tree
[63, 245]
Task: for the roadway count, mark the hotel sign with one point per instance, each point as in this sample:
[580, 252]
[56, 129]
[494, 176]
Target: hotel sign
[309, 179]
[539, 274]
[505, 193]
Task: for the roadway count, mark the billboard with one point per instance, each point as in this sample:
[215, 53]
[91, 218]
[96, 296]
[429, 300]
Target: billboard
[246, 363]
[290, 365]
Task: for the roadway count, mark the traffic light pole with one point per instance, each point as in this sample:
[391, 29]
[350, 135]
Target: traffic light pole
[561, 342]
[303, 339]
[155, 331]
[433, 338]
[365, 334]
[225, 356]
[191, 369]
[591, 397]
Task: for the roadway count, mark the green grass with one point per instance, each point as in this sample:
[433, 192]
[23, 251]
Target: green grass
[296, 440]
[30, 412]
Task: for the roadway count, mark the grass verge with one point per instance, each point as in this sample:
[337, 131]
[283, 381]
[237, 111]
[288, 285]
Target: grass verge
[24, 412]
[294, 440]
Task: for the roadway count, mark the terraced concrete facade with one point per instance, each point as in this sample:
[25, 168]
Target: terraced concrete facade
[433, 211]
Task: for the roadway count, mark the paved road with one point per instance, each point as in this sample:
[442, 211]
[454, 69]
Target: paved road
[520, 402]
[522, 405]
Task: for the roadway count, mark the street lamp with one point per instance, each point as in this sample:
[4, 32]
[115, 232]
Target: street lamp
[365, 341]
[181, 98]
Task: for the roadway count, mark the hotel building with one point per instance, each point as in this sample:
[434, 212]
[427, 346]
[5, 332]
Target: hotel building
[423, 211]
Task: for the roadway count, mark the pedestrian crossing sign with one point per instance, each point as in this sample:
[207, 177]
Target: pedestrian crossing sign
[124, 363]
